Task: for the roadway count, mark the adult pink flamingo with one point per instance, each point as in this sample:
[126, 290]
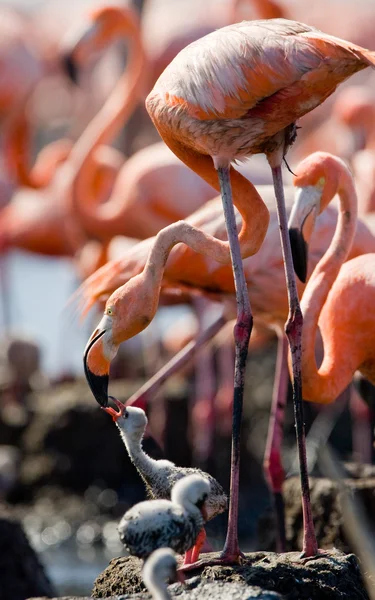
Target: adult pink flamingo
[221, 99]
[186, 268]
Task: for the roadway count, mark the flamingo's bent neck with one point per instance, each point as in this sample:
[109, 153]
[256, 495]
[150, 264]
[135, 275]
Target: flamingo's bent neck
[108, 122]
[321, 384]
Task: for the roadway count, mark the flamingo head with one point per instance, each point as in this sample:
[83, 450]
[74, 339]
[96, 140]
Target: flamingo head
[161, 566]
[127, 312]
[318, 178]
[192, 491]
[131, 420]
[86, 42]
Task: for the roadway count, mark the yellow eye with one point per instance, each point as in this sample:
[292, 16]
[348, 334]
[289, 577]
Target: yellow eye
[109, 311]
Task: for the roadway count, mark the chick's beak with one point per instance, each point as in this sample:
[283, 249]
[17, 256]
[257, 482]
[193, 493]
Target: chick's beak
[111, 411]
[96, 365]
[301, 225]
[204, 512]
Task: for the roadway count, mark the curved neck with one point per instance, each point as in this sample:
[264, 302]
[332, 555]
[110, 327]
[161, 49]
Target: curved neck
[156, 586]
[17, 147]
[106, 124]
[144, 464]
[147, 285]
[254, 213]
[320, 383]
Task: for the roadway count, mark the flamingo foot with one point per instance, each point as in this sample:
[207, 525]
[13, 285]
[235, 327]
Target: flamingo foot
[226, 558]
[319, 554]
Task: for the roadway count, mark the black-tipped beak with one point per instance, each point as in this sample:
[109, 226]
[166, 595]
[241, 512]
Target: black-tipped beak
[299, 253]
[98, 383]
[70, 68]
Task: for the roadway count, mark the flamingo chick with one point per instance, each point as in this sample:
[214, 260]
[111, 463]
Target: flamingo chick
[174, 523]
[160, 567]
[160, 476]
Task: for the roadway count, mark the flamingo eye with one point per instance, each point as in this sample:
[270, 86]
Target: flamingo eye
[109, 311]
[126, 414]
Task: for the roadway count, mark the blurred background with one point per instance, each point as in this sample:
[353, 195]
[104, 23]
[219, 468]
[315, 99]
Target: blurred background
[63, 468]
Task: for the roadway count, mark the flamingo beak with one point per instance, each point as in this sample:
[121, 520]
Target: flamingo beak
[204, 513]
[70, 68]
[96, 363]
[75, 48]
[301, 226]
[111, 411]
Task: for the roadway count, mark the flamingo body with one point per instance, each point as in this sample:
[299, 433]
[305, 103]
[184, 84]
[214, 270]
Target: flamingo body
[173, 523]
[228, 93]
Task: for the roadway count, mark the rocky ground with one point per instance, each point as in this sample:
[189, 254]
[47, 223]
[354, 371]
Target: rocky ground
[69, 479]
[331, 576]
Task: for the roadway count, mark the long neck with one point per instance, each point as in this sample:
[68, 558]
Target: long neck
[147, 284]
[144, 464]
[157, 588]
[106, 124]
[320, 383]
[18, 145]
[255, 215]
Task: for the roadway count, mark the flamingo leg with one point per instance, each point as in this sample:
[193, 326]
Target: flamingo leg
[273, 467]
[293, 330]
[4, 293]
[202, 416]
[242, 330]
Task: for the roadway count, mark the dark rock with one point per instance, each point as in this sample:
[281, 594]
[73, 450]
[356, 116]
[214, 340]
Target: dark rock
[326, 507]
[327, 577]
[21, 574]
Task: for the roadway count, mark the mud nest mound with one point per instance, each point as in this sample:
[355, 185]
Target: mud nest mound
[326, 506]
[327, 577]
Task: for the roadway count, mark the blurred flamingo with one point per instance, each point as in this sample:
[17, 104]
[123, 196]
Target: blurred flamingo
[211, 114]
[143, 200]
[347, 129]
[21, 66]
[51, 227]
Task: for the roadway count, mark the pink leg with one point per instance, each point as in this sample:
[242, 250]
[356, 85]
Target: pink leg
[203, 410]
[223, 400]
[5, 295]
[293, 329]
[242, 330]
[273, 467]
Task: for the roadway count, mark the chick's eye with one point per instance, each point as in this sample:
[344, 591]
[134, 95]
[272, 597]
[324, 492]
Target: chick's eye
[126, 414]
